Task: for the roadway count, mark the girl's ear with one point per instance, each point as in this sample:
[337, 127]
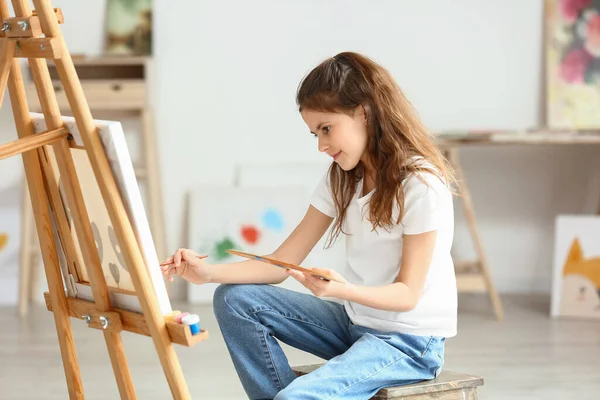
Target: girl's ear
[364, 109]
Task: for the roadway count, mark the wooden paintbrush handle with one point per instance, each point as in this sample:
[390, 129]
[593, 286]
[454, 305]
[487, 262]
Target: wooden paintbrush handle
[169, 263]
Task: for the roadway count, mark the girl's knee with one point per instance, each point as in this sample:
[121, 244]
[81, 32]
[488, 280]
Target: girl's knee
[228, 297]
[225, 294]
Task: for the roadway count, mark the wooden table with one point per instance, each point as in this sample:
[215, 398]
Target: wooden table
[474, 276]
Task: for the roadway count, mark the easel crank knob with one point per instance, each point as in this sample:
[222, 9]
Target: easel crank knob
[99, 320]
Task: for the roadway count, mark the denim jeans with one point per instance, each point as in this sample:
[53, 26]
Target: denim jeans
[360, 360]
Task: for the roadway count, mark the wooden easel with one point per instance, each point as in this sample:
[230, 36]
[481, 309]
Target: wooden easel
[37, 37]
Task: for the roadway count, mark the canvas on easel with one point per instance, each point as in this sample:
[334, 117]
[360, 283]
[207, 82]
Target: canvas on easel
[113, 263]
[64, 212]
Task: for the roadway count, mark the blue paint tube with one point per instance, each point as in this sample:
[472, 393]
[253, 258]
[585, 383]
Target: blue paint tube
[193, 321]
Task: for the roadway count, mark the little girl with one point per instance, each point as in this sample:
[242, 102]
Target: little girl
[389, 192]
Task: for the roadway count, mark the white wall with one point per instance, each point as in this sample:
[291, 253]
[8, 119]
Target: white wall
[227, 82]
[227, 71]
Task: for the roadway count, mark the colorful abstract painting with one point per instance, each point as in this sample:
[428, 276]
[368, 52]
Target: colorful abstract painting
[573, 64]
[253, 220]
[576, 280]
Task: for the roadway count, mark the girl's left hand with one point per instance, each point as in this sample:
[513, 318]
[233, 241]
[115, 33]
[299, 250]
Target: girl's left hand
[320, 287]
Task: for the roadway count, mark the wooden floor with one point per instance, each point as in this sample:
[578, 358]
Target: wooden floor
[528, 356]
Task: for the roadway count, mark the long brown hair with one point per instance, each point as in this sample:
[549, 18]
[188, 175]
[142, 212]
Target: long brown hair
[395, 133]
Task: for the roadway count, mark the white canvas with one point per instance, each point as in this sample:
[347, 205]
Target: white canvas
[115, 270]
[576, 274]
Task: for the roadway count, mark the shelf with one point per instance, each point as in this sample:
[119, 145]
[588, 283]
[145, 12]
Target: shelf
[182, 335]
[106, 94]
[132, 321]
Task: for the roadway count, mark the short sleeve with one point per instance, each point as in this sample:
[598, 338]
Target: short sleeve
[422, 203]
[322, 199]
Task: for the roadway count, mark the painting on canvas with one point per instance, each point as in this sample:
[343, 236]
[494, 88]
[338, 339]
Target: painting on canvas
[253, 220]
[115, 269]
[129, 27]
[576, 278]
[573, 64]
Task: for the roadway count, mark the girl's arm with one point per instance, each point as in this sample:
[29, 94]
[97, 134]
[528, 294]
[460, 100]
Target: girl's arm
[402, 295]
[293, 250]
[405, 292]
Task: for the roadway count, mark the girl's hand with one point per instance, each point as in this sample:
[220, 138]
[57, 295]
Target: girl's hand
[187, 264]
[320, 287]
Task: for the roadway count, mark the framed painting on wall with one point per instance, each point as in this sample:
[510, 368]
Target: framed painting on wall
[129, 27]
[572, 44]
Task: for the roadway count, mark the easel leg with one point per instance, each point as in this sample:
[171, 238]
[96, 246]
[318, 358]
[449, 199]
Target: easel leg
[469, 209]
[25, 262]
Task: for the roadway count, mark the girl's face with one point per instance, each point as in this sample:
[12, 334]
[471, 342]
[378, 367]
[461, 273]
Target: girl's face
[341, 136]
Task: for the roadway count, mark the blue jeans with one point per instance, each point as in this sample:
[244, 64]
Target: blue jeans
[361, 360]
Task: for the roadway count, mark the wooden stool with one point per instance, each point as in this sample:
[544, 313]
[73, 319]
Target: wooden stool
[447, 386]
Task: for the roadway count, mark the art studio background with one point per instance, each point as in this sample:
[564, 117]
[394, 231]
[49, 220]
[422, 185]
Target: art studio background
[236, 162]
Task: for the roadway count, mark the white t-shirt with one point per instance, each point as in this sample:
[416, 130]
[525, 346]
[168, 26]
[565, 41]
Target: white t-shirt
[374, 257]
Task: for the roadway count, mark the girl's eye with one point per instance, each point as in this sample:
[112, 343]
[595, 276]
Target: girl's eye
[314, 135]
[326, 128]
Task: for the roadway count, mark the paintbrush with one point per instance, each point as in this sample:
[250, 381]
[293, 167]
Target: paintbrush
[169, 263]
[282, 264]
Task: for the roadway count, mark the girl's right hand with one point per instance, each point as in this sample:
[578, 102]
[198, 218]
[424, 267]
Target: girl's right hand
[187, 264]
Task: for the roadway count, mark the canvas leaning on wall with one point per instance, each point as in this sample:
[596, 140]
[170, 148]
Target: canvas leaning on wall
[576, 277]
[254, 220]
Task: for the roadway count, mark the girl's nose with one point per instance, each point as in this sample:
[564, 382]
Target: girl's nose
[323, 145]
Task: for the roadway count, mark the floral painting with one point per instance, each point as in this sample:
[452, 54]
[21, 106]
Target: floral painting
[129, 27]
[573, 64]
